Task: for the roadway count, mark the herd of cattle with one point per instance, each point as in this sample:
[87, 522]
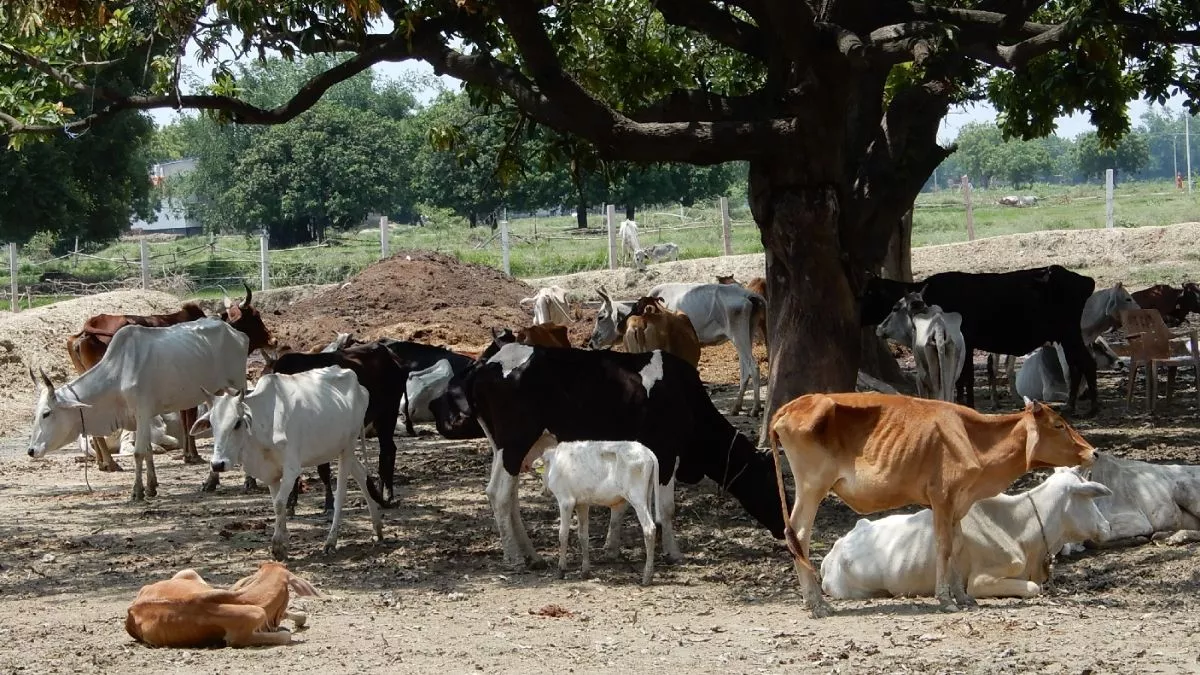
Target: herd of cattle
[618, 428]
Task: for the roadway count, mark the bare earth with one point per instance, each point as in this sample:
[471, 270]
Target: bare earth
[435, 596]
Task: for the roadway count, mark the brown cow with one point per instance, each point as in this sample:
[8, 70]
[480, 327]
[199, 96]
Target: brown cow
[544, 335]
[1174, 304]
[185, 611]
[883, 451]
[88, 346]
[652, 326]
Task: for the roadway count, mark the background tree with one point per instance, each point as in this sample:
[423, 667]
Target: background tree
[1021, 162]
[1093, 158]
[838, 142]
[976, 149]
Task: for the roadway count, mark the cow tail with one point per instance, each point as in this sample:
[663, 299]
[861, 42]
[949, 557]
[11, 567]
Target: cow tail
[789, 534]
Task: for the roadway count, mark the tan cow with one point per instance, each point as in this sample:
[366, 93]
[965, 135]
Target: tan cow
[544, 335]
[185, 611]
[883, 451]
[653, 326]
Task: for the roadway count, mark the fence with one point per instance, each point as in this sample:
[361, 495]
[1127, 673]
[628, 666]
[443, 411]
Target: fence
[211, 265]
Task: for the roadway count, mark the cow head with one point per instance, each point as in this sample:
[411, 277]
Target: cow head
[1050, 441]
[1106, 358]
[245, 317]
[1080, 517]
[609, 326]
[899, 325]
[1119, 300]
[1189, 301]
[727, 279]
[878, 298]
[453, 412]
[229, 419]
[57, 419]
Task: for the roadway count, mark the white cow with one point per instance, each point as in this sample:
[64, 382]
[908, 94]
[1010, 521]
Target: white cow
[1102, 311]
[289, 422]
[721, 312]
[1148, 499]
[159, 436]
[936, 340]
[422, 387]
[1042, 374]
[1007, 541]
[145, 372]
[610, 320]
[549, 306]
[602, 473]
[628, 245]
[656, 253]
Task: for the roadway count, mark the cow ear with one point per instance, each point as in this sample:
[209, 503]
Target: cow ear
[1091, 489]
[201, 425]
[70, 404]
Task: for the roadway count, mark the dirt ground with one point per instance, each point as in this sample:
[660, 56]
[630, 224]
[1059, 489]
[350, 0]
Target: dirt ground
[436, 596]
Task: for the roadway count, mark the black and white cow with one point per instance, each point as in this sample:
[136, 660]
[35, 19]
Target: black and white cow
[522, 392]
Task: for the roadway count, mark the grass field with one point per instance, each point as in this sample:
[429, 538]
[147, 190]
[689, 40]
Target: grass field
[547, 246]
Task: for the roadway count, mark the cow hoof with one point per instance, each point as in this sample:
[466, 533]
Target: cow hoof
[151, 491]
[329, 548]
[110, 467]
[673, 559]
[138, 496]
[291, 512]
[535, 563]
[561, 573]
[279, 552]
[210, 485]
[947, 606]
[820, 610]
[585, 574]
[193, 459]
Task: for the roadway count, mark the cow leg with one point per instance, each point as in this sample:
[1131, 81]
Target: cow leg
[804, 514]
[585, 563]
[991, 375]
[966, 379]
[279, 495]
[210, 484]
[408, 425]
[532, 559]
[242, 623]
[1082, 366]
[104, 458]
[612, 541]
[1010, 371]
[641, 506]
[947, 536]
[499, 494]
[565, 509]
[293, 499]
[386, 428]
[326, 476]
[297, 618]
[665, 495]
[986, 586]
[360, 476]
[249, 485]
[190, 454]
[339, 500]
[141, 455]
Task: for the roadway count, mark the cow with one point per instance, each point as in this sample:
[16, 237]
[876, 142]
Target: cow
[935, 338]
[656, 253]
[1148, 501]
[421, 388]
[159, 437]
[549, 306]
[602, 473]
[1006, 313]
[185, 611]
[610, 320]
[289, 422]
[544, 335]
[627, 234]
[654, 398]
[1007, 543]
[144, 372]
[378, 372]
[755, 285]
[721, 312]
[1042, 375]
[1014, 200]
[652, 326]
[1174, 304]
[883, 451]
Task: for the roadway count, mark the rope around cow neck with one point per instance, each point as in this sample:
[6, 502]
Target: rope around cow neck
[83, 448]
[1048, 561]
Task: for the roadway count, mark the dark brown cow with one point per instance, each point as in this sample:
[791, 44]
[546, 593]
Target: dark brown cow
[88, 346]
[1174, 304]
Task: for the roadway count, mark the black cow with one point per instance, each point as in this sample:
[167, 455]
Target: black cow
[1007, 313]
[654, 398]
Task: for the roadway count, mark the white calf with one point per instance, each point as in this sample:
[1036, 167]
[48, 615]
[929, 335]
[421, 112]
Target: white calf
[936, 340]
[656, 253]
[602, 473]
[1007, 541]
[1042, 374]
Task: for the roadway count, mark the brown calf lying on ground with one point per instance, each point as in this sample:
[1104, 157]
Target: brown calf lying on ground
[652, 326]
[184, 611]
[882, 451]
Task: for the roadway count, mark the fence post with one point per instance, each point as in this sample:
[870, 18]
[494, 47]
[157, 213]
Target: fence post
[725, 235]
[383, 237]
[612, 238]
[504, 241]
[263, 263]
[12, 275]
[966, 187]
[1108, 198]
[145, 250]
[75, 260]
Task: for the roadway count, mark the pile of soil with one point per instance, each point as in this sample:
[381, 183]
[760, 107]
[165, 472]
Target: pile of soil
[413, 295]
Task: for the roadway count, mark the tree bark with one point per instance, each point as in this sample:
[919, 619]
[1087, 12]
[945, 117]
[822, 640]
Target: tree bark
[877, 359]
[473, 219]
[581, 215]
[629, 209]
[898, 263]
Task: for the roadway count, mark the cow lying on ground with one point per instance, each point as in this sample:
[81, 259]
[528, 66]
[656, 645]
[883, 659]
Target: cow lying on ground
[1173, 303]
[936, 340]
[1148, 501]
[1042, 375]
[1048, 300]
[144, 372]
[1007, 543]
[549, 306]
[652, 326]
[185, 611]
[656, 253]
[289, 422]
[602, 473]
[880, 451]
[657, 399]
[126, 440]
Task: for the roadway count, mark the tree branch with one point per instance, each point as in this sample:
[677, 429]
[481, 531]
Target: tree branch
[703, 17]
[704, 106]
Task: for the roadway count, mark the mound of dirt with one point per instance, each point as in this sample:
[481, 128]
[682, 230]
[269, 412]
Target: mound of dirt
[37, 339]
[413, 295]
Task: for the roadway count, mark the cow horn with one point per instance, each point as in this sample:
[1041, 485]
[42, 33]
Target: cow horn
[249, 295]
[32, 377]
[45, 380]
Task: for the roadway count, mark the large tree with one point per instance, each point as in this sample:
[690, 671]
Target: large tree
[834, 104]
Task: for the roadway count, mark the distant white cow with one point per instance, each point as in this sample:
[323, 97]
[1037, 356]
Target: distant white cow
[145, 372]
[602, 473]
[1014, 200]
[1042, 374]
[549, 306]
[721, 312]
[656, 253]
[628, 245]
[1148, 500]
[289, 422]
[422, 387]
[936, 340]
[1007, 541]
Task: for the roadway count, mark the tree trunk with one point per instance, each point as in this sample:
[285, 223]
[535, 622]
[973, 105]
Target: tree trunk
[898, 263]
[473, 219]
[877, 360]
[629, 211]
[813, 312]
[581, 215]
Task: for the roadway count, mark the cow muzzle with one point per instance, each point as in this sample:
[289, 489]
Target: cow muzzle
[32, 452]
[218, 466]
